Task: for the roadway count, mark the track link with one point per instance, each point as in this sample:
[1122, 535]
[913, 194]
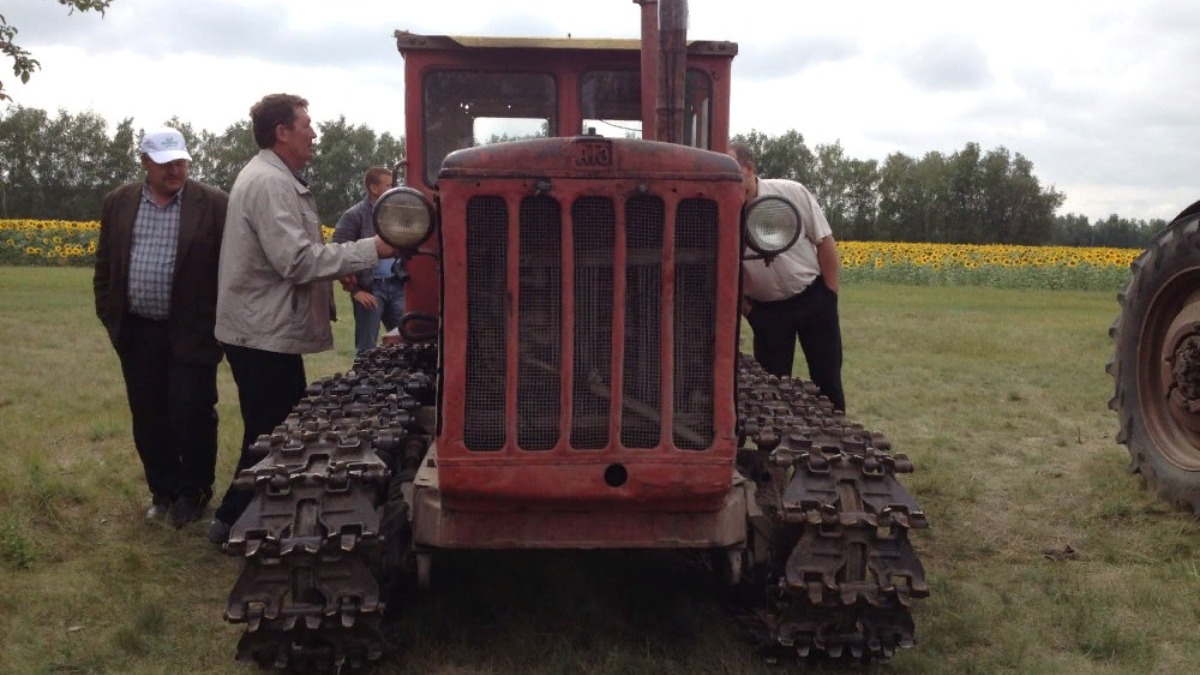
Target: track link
[327, 525]
[832, 544]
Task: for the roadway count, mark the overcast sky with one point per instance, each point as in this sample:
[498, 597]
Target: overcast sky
[1100, 95]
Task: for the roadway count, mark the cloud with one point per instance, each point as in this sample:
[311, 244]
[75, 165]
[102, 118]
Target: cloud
[784, 58]
[1170, 17]
[946, 63]
[519, 25]
[216, 28]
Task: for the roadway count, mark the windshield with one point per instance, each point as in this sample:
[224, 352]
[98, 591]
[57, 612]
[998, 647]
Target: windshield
[465, 109]
[611, 101]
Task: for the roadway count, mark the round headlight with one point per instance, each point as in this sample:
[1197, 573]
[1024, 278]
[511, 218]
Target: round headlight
[772, 225]
[403, 218]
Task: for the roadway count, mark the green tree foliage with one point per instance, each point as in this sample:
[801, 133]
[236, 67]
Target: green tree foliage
[906, 194]
[1075, 230]
[344, 151]
[846, 189]
[23, 62]
[1114, 231]
[61, 167]
[965, 197]
[219, 157]
[783, 156]
[1017, 209]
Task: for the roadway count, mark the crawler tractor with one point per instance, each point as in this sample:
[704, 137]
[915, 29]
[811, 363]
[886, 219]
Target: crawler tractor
[570, 375]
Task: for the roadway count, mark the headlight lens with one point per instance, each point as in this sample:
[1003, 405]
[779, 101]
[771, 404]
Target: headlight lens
[403, 218]
[772, 225]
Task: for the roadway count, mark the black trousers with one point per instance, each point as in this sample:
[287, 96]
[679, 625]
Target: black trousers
[174, 409]
[811, 316]
[269, 385]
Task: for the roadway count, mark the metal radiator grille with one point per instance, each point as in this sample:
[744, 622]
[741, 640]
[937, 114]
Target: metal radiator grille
[641, 404]
[487, 264]
[695, 322]
[595, 241]
[539, 322]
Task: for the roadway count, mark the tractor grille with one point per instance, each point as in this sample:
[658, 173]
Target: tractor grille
[601, 323]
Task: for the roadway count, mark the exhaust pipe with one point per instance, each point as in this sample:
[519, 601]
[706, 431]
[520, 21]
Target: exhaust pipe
[664, 68]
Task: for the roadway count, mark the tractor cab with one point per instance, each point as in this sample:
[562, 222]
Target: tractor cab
[467, 92]
[471, 92]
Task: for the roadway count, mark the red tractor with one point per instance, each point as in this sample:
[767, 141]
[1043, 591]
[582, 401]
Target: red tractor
[570, 377]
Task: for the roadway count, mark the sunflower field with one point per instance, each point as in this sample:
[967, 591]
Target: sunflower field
[55, 242]
[48, 242]
[995, 265]
[61, 242]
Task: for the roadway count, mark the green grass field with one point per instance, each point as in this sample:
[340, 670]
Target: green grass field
[1044, 555]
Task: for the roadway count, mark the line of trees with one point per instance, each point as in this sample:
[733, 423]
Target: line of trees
[60, 167]
[969, 196]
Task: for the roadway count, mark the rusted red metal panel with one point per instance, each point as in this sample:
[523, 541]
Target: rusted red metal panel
[688, 479]
[591, 158]
[439, 525]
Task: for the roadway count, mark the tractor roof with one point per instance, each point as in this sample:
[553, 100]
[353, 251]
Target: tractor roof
[406, 41]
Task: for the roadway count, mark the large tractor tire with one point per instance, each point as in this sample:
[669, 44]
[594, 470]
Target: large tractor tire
[1156, 363]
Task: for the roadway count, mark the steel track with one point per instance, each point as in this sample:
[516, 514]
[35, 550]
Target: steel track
[830, 571]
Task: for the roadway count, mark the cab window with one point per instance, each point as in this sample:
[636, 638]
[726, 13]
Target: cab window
[465, 109]
[611, 103]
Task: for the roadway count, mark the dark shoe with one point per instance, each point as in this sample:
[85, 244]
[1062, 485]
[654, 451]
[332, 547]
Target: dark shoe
[218, 532]
[189, 507]
[159, 506]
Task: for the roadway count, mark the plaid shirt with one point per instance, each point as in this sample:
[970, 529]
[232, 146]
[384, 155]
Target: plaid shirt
[152, 256]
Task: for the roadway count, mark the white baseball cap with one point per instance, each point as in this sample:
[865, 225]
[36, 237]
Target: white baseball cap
[164, 145]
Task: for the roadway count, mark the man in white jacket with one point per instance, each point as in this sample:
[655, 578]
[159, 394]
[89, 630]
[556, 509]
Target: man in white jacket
[274, 290]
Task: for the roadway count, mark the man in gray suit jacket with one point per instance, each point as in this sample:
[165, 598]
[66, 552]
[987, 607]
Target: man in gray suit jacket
[156, 293]
[275, 299]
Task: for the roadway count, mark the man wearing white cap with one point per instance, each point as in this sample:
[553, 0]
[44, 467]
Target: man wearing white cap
[156, 294]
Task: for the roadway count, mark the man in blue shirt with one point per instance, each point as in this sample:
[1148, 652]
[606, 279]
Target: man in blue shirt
[378, 294]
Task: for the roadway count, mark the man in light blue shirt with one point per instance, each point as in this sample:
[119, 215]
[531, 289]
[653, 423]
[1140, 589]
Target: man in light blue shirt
[378, 294]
